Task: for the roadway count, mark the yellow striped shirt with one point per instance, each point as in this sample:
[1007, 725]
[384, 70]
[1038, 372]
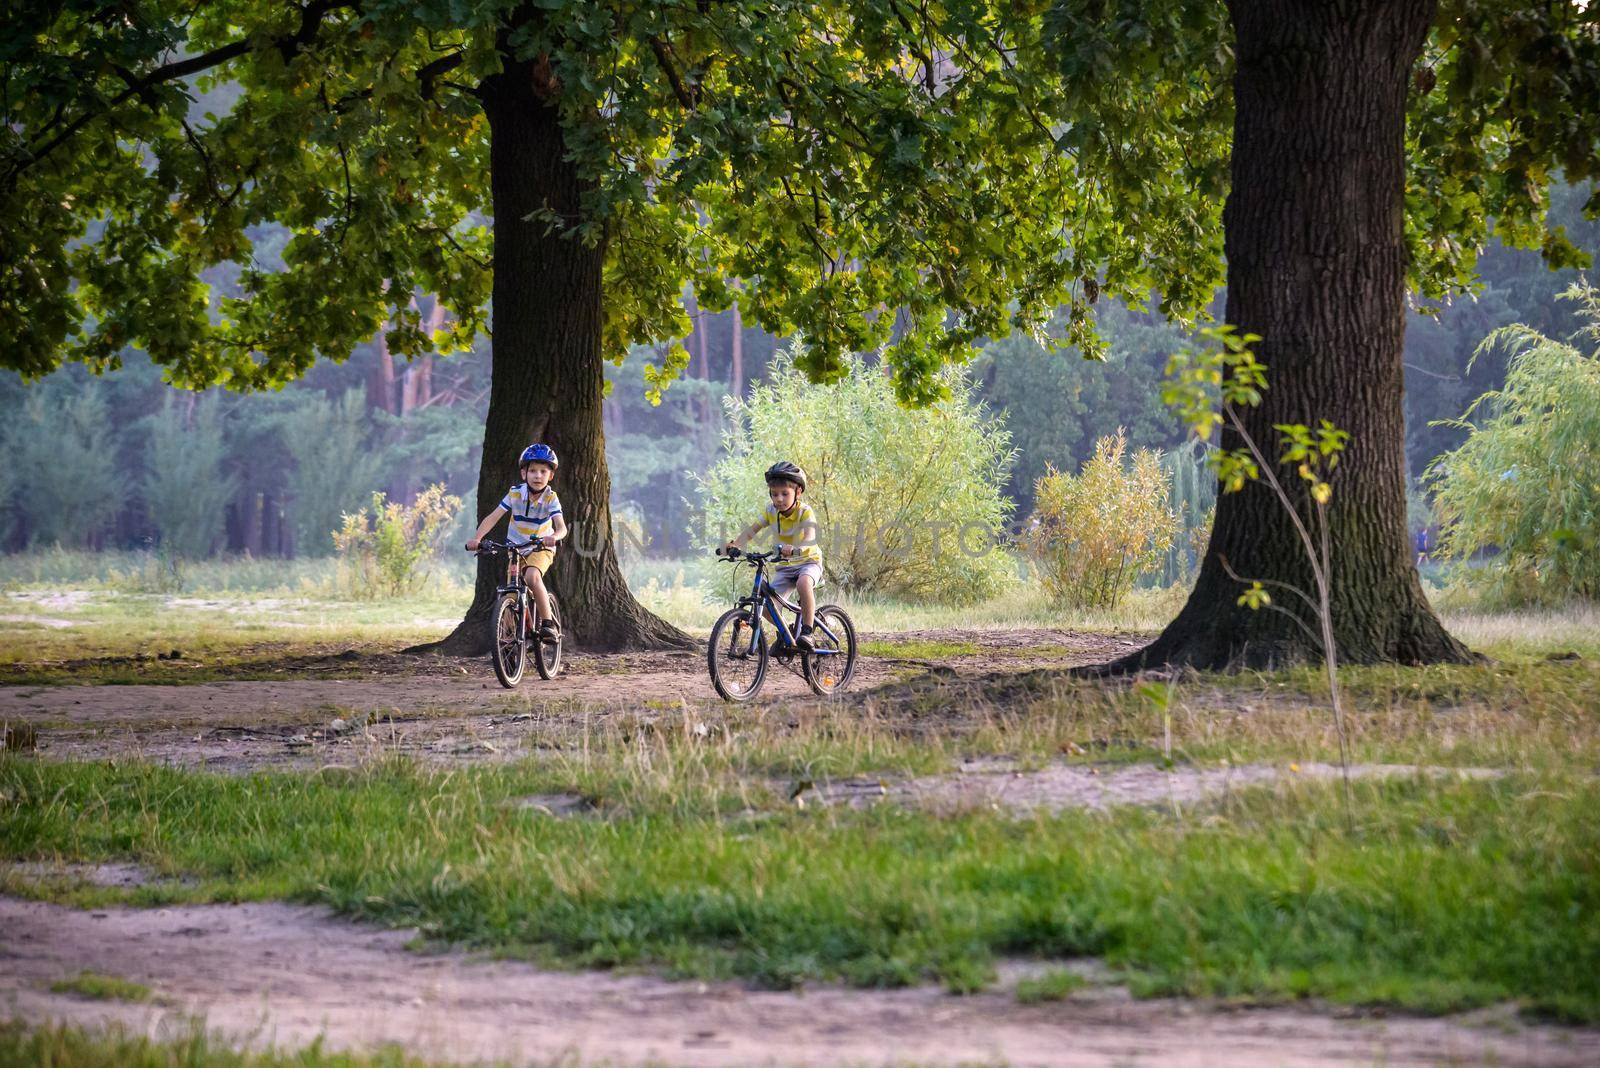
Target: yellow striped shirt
[796, 528]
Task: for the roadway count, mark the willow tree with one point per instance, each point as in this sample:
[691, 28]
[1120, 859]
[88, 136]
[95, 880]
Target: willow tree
[869, 169]
[1333, 155]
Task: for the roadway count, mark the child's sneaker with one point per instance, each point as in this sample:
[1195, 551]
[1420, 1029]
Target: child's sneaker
[549, 630]
[804, 640]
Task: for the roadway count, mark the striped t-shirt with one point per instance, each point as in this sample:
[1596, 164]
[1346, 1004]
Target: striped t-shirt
[530, 519]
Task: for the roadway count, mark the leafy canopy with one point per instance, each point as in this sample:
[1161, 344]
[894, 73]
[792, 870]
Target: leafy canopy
[1502, 102]
[875, 172]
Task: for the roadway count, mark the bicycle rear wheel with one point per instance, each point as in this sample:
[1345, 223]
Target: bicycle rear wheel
[510, 644]
[547, 654]
[736, 657]
[829, 669]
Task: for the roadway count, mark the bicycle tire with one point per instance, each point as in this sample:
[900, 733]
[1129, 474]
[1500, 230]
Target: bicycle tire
[733, 627]
[547, 654]
[823, 674]
[508, 645]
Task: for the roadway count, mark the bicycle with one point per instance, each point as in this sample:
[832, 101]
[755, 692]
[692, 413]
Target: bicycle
[513, 618]
[739, 652]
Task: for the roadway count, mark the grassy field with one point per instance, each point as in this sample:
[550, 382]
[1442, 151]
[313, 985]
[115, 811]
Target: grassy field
[119, 617]
[1430, 895]
[129, 611]
[22, 1046]
[690, 854]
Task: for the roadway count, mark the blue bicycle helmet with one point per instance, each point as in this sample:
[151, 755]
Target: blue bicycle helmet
[538, 454]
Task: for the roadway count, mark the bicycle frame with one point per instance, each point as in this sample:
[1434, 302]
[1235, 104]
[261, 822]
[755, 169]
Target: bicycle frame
[762, 598]
[516, 559]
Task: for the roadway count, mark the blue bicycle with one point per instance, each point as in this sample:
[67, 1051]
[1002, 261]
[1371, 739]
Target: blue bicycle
[739, 650]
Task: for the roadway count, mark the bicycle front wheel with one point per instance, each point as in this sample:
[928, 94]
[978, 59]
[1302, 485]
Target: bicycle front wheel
[510, 644]
[737, 656]
[547, 653]
[829, 669]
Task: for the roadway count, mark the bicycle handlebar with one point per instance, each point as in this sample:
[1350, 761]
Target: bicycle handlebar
[731, 554]
[486, 547]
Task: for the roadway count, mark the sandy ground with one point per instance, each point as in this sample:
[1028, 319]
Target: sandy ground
[284, 975]
[453, 709]
[1003, 784]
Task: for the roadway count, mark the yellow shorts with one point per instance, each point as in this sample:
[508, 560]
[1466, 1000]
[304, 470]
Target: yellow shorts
[540, 560]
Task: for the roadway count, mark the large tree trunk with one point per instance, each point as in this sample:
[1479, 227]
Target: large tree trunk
[736, 371]
[1316, 266]
[547, 379]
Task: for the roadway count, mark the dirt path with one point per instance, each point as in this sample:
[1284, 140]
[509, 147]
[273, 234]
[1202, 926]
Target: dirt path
[999, 783]
[451, 709]
[281, 974]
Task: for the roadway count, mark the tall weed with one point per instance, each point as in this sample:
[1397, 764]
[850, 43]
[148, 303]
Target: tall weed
[382, 555]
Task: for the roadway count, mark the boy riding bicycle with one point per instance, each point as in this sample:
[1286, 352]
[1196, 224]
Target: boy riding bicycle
[796, 534]
[535, 520]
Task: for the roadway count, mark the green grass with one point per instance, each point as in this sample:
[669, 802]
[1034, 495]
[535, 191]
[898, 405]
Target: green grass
[102, 987]
[919, 649]
[1056, 985]
[103, 617]
[1428, 895]
[25, 1046]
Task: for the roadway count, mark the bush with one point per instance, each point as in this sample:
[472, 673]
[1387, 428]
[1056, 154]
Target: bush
[1524, 480]
[1192, 499]
[909, 500]
[186, 492]
[1094, 533]
[380, 554]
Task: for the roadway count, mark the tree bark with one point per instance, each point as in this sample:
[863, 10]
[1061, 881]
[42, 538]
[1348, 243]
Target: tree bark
[547, 379]
[380, 382]
[736, 371]
[1316, 266]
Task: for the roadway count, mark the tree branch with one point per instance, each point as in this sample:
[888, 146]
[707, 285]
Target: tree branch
[687, 95]
[430, 74]
[311, 17]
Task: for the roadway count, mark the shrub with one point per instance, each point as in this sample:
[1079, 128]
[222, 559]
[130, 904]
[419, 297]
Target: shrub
[1094, 533]
[186, 492]
[909, 501]
[380, 554]
[1524, 480]
[1192, 499]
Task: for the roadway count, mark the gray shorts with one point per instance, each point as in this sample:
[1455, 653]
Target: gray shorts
[787, 576]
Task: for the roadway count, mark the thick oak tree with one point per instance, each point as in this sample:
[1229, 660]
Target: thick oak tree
[873, 171]
[1365, 146]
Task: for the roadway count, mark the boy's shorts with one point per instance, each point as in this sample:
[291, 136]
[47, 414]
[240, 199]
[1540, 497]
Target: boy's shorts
[786, 577]
[540, 560]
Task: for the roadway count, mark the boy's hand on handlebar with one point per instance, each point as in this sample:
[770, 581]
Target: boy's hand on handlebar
[472, 545]
[786, 551]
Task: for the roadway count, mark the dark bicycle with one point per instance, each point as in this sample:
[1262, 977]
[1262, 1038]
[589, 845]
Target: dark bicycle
[514, 621]
[739, 650]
